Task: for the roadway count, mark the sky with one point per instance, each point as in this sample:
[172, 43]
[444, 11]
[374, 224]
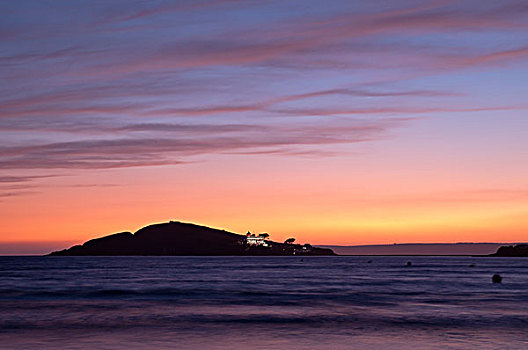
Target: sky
[336, 122]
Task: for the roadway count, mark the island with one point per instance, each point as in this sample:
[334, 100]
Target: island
[519, 250]
[178, 238]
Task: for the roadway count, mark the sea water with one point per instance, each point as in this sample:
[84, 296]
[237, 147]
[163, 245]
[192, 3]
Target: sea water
[263, 303]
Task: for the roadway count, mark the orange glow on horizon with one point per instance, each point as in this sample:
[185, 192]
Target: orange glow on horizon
[318, 212]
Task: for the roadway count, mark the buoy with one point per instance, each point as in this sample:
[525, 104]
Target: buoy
[471, 265]
[409, 263]
[369, 262]
[496, 278]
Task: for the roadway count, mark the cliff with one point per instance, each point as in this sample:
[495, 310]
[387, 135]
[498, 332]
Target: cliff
[177, 238]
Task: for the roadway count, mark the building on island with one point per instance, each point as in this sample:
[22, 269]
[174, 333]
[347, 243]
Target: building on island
[260, 240]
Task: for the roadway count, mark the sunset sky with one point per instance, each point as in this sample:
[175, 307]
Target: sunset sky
[335, 122]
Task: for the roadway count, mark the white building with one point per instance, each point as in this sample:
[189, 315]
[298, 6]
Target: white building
[253, 239]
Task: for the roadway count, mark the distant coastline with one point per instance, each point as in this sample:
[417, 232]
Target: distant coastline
[425, 249]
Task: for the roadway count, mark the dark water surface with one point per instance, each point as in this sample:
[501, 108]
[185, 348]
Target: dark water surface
[263, 303]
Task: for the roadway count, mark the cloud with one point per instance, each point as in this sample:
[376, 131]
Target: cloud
[15, 193]
[163, 150]
[11, 186]
[21, 179]
[94, 185]
[124, 14]
[57, 111]
[390, 110]
[93, 76]
[305, 37]
[156, 83]
[191, 128]
[471, 60]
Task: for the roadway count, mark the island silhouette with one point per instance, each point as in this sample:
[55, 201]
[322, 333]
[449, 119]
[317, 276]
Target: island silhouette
[179, 238]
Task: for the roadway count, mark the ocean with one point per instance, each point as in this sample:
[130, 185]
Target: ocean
[340, 302]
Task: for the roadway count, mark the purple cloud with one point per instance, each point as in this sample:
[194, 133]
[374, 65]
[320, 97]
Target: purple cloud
[162, 150]
[126, 84]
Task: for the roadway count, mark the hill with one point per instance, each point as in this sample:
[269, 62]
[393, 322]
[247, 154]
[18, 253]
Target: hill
[177, 238]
